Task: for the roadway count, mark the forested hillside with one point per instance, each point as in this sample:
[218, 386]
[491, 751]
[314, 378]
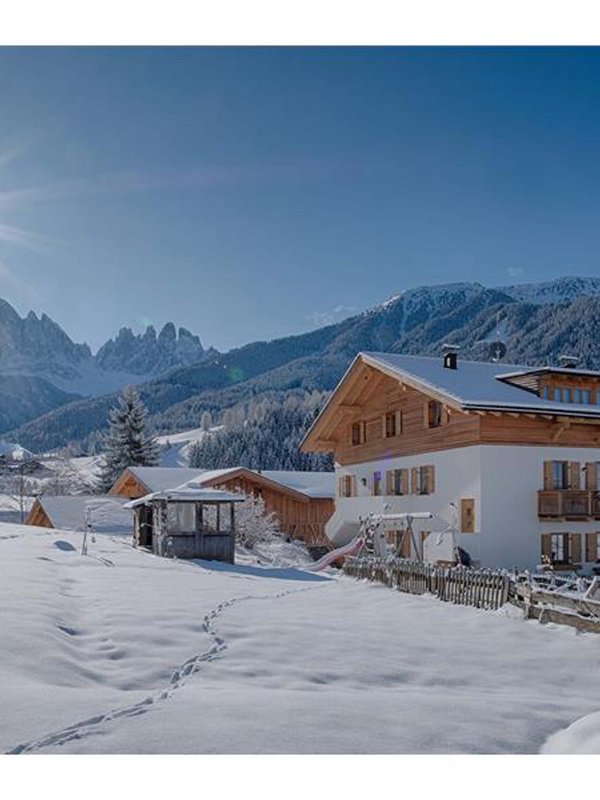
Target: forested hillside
[264, 434]
[418, 321]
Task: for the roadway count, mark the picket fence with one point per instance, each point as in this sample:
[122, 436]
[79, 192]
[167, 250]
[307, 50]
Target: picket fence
[482, 588]
[565, 601]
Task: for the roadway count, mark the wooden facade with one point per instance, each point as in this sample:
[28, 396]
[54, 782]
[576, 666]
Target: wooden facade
[367, 397]
[299, 516]
[38, 516]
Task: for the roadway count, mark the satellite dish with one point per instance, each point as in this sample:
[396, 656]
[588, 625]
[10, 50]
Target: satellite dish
[497, 350]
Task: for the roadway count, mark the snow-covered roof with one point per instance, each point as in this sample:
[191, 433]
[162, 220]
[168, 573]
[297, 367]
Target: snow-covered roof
[479, 384]
[188, 494]
[313, 484]
[157, 479]
[68, 512]
[317, 485]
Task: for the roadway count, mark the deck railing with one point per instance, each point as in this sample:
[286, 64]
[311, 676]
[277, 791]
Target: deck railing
[568, 504]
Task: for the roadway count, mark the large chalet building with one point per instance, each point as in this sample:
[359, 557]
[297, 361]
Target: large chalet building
[507, 455]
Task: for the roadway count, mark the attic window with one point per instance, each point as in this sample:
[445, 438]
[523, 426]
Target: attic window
[393, 424]
[357, 433]
[434, 414]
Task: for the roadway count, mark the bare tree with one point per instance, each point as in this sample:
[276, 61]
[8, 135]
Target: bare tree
[20, 489]
[67, 479]
[254, 524]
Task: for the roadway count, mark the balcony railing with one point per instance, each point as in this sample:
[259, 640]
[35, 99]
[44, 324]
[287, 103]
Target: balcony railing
[568, 504]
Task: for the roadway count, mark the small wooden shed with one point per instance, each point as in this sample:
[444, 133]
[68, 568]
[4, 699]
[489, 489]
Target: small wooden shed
[187, 522]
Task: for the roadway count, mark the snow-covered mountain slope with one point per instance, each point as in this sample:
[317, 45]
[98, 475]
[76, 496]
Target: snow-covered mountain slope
[175, 448]
[38, 346]
[123, 652]
[42, 368]
[417, 321]
[561, 290]
[148, 353]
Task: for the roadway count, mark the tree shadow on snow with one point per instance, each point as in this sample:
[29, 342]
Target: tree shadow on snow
[280, 573]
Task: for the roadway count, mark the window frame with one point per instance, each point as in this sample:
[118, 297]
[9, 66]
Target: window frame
[437, 420]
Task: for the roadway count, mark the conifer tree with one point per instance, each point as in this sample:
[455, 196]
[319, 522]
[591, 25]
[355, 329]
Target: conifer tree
[128, 442]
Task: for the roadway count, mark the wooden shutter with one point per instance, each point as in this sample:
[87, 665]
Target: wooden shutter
[467, 515]
[406, 544]
[575, 547]
[404, 481]
[363, 431]
[591, 479]
[353, 486]
[548, 484]
[547, 545]
[414, 480]
[398, 423]
[389, 481]
[573, 475]
[591, 546]
[431, 478]
[341, 486]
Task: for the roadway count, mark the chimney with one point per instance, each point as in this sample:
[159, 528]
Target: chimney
[450, 352]
[568, 362]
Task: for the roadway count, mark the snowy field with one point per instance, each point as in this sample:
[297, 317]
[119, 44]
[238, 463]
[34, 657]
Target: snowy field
[124, 652]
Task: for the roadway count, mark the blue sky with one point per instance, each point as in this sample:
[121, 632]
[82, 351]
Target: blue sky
[253, 193]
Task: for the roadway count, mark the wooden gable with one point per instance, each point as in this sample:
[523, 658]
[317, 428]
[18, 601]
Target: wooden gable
[127, 485]
[369, 392]
[38, 516]
[369, 396]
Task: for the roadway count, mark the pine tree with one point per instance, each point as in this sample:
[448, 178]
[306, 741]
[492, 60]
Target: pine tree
[128, 442]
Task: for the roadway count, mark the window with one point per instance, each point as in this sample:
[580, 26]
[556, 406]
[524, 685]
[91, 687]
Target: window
[434, 414]
[561, 549]
[347, 486]
[564, 394]
[397, 481]
[393, 424]
[560, 474]
[423, 480]
[377, 483]
[357, 433]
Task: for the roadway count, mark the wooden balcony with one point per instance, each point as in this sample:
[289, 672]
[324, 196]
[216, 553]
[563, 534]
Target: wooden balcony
[569, 504]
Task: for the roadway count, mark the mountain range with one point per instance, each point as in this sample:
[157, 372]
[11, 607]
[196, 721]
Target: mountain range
[178, 379]
[41, 368]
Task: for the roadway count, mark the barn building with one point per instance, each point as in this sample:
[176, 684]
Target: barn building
[302, 501]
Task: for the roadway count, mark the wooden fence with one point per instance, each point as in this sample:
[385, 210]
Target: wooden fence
[546, 598]
[557, 605]
[482, 588]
